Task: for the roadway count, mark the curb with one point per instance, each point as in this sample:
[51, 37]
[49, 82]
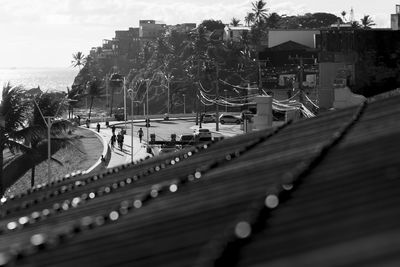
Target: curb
[106, 151]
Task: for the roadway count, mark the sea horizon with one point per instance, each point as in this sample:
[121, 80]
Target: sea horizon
[47, 78]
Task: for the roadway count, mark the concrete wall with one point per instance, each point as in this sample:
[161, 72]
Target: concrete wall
[327, 74]
[395, 22]
[304, 37]
[345, 98]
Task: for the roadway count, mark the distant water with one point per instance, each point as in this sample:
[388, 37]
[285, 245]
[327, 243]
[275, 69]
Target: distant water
[53, 79]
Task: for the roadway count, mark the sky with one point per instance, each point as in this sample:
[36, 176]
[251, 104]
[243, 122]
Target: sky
[45, 33]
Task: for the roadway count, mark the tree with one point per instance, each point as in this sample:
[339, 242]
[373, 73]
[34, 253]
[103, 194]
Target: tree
[367, 22]
[14, 114]
[273, 20]
[78, 60]
[94, 90]
[344, 15]
[355, 24]
[260, 12]
[212, 25]
[73, 96]
[235, 22]
[47, 104]
[249, 18]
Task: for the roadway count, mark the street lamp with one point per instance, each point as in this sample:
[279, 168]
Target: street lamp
[131, 96]
[124, 87]
[226, 105]
[48, 123]
[184, 107]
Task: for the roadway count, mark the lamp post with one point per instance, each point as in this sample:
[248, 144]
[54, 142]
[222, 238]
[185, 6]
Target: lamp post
[184, 105]
[131, 96]
[48, 123]
[124, 87]
[226, 105]
[147, 107]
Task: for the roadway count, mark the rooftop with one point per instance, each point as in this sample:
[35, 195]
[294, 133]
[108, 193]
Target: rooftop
[318, 192]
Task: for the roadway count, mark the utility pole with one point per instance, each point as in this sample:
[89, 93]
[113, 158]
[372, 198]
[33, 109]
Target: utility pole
[124, 87]
[217, 97]
[301, 76]
[184, 104]
[259, 78]
[168, 83]
[147, 107]
[196, 98]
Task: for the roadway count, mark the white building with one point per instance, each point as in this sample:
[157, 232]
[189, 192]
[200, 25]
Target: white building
[232, 33]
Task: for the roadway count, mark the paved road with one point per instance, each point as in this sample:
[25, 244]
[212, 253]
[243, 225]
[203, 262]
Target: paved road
[164, 129]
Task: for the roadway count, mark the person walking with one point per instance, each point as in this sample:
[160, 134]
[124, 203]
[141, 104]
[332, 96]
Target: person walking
[113, 139]
[113, 129]
[120, 140]
[98, 127]
[140, 133]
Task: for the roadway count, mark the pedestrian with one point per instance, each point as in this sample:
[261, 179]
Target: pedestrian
[113, 129]
[113, 139]
[87, 123]
[140, 133]
[98, 127]
[120, 140]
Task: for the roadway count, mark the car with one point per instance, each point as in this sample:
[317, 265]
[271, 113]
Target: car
[247, 115]
[208, 118]
[187, 140]
[168, 149]
[203, 135]
[166, 117]
[226, 118]
[119, 114]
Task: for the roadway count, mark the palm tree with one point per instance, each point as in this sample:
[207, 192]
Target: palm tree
[93, 91]
[13, 116]
[78, 60]
[73, 96]
[367, 22]
[260, 12]
[355, 24]
[47, 104]
[343, 15]
[235, 22]
[249, 18]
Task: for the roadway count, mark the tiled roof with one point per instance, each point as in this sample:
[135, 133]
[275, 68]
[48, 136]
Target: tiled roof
[318, 192]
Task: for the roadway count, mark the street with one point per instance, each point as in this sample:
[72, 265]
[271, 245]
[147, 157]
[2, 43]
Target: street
[163, 129]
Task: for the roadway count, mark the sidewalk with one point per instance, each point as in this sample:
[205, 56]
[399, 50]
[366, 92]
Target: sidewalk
[119, 157]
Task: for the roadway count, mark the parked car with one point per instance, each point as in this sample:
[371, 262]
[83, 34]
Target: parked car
[168, 149]
[208, 118]
[247, 115]
[119, 114]
[203, 135]
[187, 140]
[225, 118]
[166, 116]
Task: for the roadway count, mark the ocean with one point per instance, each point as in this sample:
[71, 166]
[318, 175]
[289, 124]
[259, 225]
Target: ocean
[52, 79]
